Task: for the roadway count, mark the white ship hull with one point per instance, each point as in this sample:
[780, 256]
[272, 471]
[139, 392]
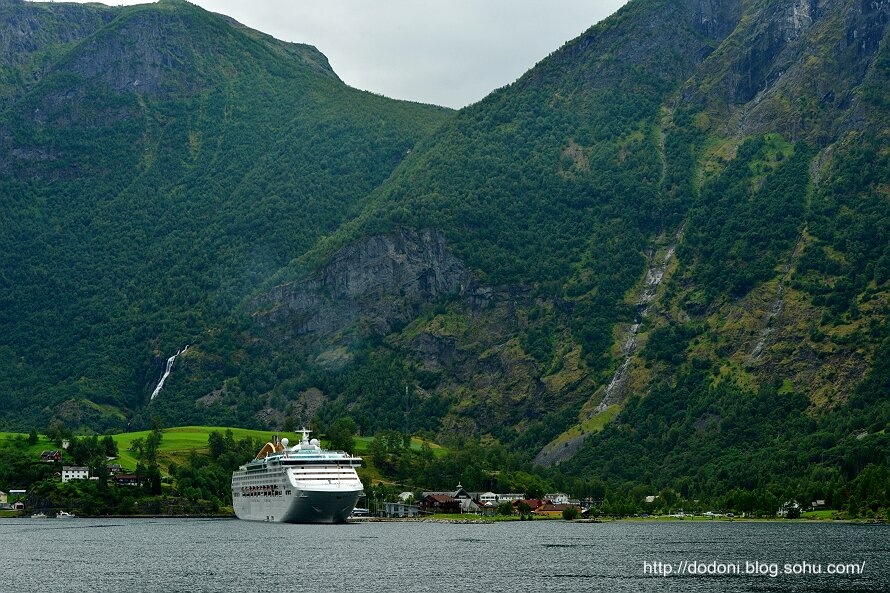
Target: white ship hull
[300, 507]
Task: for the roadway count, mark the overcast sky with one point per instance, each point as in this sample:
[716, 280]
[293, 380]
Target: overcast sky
[446, 52]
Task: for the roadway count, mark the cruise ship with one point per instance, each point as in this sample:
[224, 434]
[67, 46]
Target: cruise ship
[299, 484]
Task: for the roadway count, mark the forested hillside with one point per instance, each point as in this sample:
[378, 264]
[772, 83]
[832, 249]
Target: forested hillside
[658, 260]
[674, 233]
[156, 163]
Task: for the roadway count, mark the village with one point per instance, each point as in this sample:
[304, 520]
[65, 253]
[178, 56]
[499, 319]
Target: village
[459, 501]
[14, 499]
[407, 504]
[485, 504]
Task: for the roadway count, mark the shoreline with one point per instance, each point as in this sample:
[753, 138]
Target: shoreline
[484, 520]
[478, 520]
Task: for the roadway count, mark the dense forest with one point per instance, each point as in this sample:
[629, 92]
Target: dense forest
[137, 222]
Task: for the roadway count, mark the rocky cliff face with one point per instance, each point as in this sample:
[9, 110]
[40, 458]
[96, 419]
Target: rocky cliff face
[691, 28]
[794, 67]
[154, 52]
[369, 286]
[32, 33]
[715, 18]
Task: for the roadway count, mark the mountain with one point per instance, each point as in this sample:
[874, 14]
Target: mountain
[658, 259]
[663, 250]
[156, 163]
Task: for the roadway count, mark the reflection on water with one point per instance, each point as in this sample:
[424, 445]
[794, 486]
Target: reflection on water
[148, 555]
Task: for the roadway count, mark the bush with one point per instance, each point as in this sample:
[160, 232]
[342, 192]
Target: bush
[571, 513]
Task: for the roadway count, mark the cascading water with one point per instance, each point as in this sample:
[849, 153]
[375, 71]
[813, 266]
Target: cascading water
[778, 303]
[614, 390]
[654, 275]
[167, 371]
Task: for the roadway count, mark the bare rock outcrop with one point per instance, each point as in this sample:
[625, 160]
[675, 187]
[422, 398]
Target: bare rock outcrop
[375, 283]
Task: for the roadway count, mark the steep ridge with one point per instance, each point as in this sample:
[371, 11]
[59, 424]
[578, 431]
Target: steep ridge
[33, 36]
[528, 187]
[161, 165]
[733, 121]
[773, 327]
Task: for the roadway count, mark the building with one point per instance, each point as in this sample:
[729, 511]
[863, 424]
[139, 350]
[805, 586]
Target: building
[791, 508]
[114, 469]
[400, 509]
[51, 456]
[531, 503]
[510, 497]
[72, 472]
[126, 480]
[464, 498]
[554, 510]
[4, 501]
[486, 498]
[439, 503]
[557, 498]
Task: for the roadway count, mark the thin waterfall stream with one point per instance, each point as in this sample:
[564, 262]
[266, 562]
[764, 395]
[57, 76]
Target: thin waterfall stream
[654, 275]
[167, 372]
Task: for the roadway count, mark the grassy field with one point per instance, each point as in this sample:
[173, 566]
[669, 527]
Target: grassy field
[180, 442]
[822, 515]
[363, 445]
[176, 445]
[43, 443]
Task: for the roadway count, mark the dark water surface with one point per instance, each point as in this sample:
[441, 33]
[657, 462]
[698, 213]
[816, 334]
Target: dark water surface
[149, 555]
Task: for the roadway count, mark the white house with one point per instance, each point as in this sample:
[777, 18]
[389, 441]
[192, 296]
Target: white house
[400, 509]
[557, 498]
[488, 498]
[510, 497]
[71, 472]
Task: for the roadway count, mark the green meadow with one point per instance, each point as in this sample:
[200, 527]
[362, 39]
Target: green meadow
[180, 442]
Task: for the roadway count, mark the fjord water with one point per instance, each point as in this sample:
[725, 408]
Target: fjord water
[147, 555]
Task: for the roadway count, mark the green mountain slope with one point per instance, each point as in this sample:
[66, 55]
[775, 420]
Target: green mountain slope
[659, 258]
[162, 165]
[684, 212]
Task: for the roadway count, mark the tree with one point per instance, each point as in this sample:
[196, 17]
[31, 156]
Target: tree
[150, 477]
[571, 513]
[32, 436]
[137, 446]
[57, 431]
[342, 434]
[217, 444]
[110, 446]
[525, 511]
[152, 442]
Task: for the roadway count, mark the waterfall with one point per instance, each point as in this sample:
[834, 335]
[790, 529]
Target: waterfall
[778, 303]
[657, 265]
[655, 272]
[167, 372]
